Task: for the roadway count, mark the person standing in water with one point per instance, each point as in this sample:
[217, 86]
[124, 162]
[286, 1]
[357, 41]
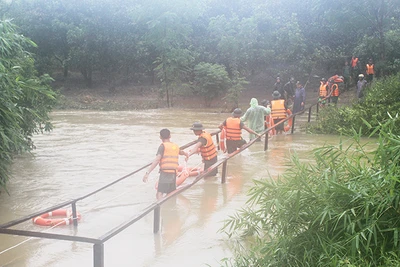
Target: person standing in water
[255, 115]
[167, 157]
[207, 147]
[234, 126]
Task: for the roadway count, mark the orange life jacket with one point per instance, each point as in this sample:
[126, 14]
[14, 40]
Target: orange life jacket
[169, 161]
[233, 131]
[335, 90]
[323, 92]
[354, 61]
[208, 151]
[370, 69]
[278, 110]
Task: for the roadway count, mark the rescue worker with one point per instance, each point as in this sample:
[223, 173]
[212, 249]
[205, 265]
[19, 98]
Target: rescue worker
[323, 92]
[255, 115]
[370, 71]
[207, 147]
[234, 126]
[334, 91]
[354, 64]
[278, 111]
[167, 157]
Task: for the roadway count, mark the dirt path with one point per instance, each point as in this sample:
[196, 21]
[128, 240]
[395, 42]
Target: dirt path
[146, 97]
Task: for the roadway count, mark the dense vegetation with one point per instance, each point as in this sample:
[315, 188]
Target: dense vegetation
[341, 211]
[169, 41]
[25, 97]
[381, 98]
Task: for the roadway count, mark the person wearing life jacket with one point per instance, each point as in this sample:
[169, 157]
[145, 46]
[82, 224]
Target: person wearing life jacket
[334, 91]
[354, 64]
[323, 92]
[278, 111]
[234, 126]
[207, 147]
[370, 71]
[167, 157]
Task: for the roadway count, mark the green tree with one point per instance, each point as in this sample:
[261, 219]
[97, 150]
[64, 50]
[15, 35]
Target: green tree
[26, 99]
[168, 31]
[211, 81]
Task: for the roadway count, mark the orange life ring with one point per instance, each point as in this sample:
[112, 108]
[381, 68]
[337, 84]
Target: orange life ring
[46, 220]
[183, 174]
[193, 171]
[290, 121]
[269, 122]
[222, 139]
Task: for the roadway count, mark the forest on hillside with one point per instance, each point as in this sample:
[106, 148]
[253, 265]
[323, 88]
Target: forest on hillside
[205, 47]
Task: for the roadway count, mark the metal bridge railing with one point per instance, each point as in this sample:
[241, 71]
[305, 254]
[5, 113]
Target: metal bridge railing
[98, 243]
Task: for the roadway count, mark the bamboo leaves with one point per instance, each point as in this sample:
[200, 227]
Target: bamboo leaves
[25, 98]
[341, 211]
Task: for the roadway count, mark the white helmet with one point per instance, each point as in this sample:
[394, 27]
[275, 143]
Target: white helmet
[361, 76]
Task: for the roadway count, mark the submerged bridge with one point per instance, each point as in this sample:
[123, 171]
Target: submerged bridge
[9, 228]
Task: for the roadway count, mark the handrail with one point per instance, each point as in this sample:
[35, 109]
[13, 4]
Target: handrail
[51, 236]
[98, 247]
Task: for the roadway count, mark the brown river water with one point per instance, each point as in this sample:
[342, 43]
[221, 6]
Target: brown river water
[89, 149]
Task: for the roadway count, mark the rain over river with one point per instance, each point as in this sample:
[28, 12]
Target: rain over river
[89, 149]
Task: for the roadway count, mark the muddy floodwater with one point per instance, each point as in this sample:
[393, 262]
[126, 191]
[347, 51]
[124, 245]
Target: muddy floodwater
[89, 149]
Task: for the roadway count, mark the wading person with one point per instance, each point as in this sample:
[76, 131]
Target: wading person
[234, 126]
[255, 115]
[167, 157]
[278, 111]
[207, 147]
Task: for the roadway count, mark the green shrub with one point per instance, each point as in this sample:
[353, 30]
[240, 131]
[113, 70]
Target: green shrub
[25, 98]
[380, 99]
[342, 210]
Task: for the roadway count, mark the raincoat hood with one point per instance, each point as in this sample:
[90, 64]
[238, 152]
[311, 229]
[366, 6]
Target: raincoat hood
[254, 102]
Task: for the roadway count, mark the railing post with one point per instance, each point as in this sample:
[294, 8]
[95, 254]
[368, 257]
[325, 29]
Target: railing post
[223, 178]
[217, 138]
[292, 131]
[74, 214]
[266, 141]
[156, 226]
[98, 255]
[309, 114]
